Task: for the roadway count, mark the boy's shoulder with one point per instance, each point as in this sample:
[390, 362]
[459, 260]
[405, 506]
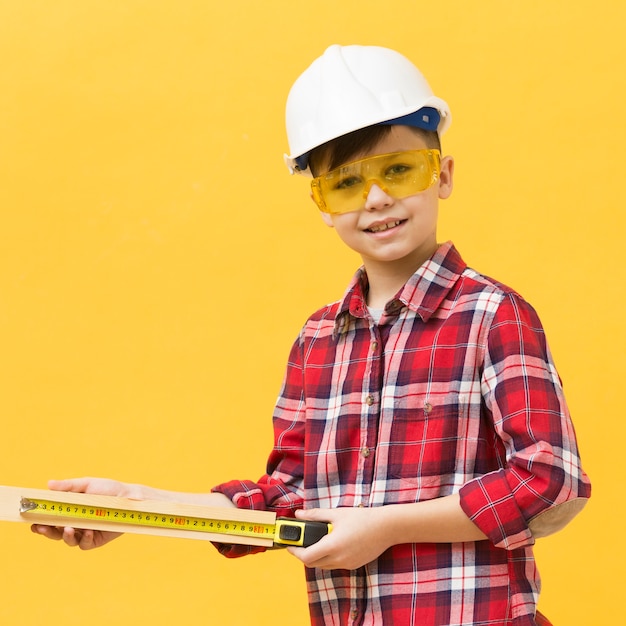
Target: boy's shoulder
[478, 292]
[477, 281]
[446, 283]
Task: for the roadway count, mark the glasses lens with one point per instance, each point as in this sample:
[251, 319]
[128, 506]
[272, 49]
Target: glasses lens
[400, 174]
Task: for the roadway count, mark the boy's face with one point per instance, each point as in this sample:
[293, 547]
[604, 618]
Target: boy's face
[395, 233]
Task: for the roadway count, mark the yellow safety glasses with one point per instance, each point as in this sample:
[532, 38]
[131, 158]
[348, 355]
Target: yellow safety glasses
[399, 174]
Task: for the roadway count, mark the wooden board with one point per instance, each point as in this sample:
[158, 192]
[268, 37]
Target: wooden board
[11, 497]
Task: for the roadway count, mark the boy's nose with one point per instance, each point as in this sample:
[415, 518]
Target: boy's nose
[376, 196]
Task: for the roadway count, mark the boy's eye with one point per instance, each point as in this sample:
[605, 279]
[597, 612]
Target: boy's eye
[397, 169]
[347, 182]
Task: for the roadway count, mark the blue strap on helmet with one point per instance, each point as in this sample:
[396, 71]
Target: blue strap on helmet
[426, 118]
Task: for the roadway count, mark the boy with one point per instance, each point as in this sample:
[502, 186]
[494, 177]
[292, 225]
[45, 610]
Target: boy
[421, 414]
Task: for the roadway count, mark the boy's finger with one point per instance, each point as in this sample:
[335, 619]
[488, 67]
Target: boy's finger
[50, 532]
[313, 515]
[78, 485]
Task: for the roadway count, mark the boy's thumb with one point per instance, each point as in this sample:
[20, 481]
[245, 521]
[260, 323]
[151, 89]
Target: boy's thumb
[312, 515]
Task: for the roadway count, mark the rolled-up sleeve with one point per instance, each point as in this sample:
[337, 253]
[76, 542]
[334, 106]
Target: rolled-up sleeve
[542, 486]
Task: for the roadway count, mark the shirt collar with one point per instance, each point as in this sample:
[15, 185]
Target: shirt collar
[423, 292]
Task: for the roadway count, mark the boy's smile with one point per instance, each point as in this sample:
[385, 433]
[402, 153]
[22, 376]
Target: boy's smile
[394, 236]
[382, 226]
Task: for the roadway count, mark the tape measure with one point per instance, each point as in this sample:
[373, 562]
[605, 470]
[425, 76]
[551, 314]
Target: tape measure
[157, 517]
[285, 532]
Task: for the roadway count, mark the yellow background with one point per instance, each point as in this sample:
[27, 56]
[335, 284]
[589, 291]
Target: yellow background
[156, 262]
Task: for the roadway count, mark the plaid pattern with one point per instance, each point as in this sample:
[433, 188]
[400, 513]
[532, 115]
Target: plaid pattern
[454, 391]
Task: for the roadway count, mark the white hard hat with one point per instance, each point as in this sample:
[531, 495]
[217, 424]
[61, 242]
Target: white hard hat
[352, 87]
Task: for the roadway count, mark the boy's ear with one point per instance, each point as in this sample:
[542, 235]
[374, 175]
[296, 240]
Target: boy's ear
[446, 176]
[325, 216]
[327, 220]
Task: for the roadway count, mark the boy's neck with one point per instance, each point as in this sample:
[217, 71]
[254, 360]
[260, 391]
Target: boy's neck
[383, 288]
[387, 278]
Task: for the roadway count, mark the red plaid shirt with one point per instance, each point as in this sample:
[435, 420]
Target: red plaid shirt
[453, 391]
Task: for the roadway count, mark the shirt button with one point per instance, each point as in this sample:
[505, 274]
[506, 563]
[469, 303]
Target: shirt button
[428, 407]
[374, 346]
[354, 614]
[369, 400]
[365, 452]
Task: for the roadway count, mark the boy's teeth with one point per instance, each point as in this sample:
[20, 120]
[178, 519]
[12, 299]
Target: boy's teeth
[381, 227]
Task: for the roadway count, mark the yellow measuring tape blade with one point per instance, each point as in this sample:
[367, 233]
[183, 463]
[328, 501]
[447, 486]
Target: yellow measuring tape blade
[155, 517]
[55, 511]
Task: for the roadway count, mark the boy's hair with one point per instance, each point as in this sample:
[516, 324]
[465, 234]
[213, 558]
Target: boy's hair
[344, 149]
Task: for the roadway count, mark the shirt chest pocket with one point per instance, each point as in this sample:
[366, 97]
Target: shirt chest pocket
[430, 439]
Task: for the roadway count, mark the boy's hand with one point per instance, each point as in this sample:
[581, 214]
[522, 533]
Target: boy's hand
[358, 537]
[85, 539]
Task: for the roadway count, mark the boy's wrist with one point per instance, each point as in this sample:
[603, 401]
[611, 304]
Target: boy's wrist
[393, 523]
